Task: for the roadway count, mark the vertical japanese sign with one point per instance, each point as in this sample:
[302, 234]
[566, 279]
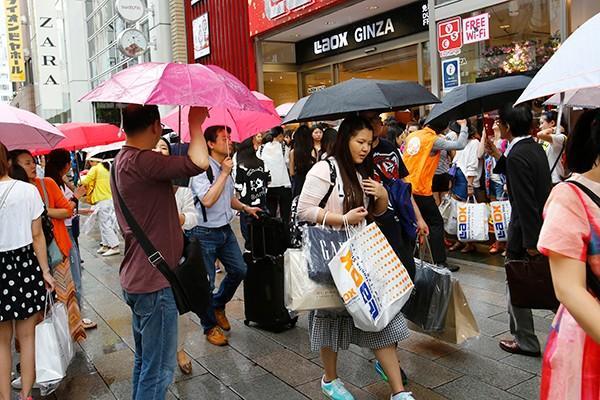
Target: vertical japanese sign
[14, 40]
[48, 53]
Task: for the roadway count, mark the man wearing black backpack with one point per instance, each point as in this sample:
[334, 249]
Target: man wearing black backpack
[215, 202]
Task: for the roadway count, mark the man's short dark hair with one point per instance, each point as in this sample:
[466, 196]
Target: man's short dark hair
[211, 133]
[276, 131]
[137, 118]
[518, 118]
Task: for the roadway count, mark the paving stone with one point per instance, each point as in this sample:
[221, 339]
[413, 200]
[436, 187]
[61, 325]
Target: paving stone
[485, 346]
[529, 364]
[115, 367]
[295, 339]
[266, 387]
[541, 324]
[490, 327]
[313, 391]
[476, 294]
[529, 389]
[235, 310]
[289, 367]
[355, 369]
[381, 390]
[425, 372]
[249, 342]
[204, 387]
[489, 371]
[469, 388]
[230, 367]
[485, 310]
[84, 387]
[426, 346]
[367, 354]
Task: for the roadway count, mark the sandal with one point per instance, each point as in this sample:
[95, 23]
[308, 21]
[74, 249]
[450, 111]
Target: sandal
[469, 248]
[88, 324]
[495, 248]
[185, 364]
[456, 246]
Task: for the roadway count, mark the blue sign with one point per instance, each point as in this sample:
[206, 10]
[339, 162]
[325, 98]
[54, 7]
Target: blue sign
[450, 74]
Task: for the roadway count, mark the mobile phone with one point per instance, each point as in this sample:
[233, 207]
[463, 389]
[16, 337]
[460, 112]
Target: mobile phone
[488, 126]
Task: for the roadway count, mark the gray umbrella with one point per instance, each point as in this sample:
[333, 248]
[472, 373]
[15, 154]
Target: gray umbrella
[356, 95]
[475, 98]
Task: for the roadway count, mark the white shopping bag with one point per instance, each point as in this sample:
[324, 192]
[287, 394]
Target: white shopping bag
[472, 219]
[371, 279]
[500, 216]
[301, 292]
[54, 348]
[90, 221]
[448, 211]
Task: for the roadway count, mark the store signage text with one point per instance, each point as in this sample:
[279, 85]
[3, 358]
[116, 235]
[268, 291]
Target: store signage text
[450, 74]
[48, 54]
[397, 23]
[476, 29]
[277, 8]
[449, 37]
[130, 10]
[14, 41]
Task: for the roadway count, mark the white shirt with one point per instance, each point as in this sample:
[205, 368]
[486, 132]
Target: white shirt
[276, 157]
[468, 161]
[68, 195]
[512, 144]
[22, 206]
[554, 152]
[185, 206]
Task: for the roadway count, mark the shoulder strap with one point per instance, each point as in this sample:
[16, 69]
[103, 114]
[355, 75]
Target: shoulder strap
[562, 149]
[46, 202]
[197, 201]
[5, 194]
[332, 179]
[154, 256]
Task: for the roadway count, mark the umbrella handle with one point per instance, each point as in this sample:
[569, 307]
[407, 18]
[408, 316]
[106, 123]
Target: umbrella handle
[561, 106]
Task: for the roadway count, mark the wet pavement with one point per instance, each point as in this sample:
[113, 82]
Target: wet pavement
[262, 365]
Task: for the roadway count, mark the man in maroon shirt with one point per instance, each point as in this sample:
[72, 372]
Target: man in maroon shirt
[143, 178]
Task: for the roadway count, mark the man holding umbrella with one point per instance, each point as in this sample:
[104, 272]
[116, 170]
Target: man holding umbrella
[421, 157]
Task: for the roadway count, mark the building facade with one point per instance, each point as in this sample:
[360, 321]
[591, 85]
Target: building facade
[6, 91]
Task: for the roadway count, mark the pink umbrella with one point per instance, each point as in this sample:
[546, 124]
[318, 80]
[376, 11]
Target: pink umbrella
[82, 135]
[25, 130]
[243, 124]
[176, 84]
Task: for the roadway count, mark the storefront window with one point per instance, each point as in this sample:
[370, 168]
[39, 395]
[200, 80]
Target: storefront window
[398, 64]
[282, 87]
[278, 53]
[582, 10]
[523, 36]
[315, 80]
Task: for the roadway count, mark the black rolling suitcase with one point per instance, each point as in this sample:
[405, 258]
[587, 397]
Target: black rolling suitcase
[263, 294]
[269, 237]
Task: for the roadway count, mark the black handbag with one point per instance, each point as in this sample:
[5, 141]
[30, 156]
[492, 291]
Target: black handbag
[189, 280]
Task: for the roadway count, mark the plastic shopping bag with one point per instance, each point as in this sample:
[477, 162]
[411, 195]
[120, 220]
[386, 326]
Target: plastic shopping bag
[472, 219]
[448, 211]
[500, 216]
[302, 293]
[53, 344]
[90, 221]
[371, 279]
[320, 244]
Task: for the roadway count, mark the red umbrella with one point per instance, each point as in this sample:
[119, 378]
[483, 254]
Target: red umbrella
[81, 135]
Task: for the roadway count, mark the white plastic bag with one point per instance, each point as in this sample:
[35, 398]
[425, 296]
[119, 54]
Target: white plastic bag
[500, 217]
[54, 348]
[472, 219]
[371, 279]
[301, 292]
[90, 221]
[448, 211]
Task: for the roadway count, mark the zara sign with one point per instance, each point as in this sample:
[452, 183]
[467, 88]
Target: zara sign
[49, 85]
[403, 21]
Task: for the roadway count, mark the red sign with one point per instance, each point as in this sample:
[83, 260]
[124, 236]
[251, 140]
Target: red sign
[268, 14]
[449, 35]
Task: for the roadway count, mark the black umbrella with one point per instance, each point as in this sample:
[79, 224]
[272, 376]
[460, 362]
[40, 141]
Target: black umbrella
[356, 95]
[476, 98]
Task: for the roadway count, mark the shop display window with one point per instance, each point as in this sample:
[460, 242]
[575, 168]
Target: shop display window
[316, 79]
[400, 64]
[282, 87]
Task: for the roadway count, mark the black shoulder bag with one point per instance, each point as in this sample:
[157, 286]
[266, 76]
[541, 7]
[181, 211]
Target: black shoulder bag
[189, 280]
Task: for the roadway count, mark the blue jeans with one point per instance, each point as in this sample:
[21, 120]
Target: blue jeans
[220, 244]
[75, 260]
[497, 190]
[459, 187]
[154, 323]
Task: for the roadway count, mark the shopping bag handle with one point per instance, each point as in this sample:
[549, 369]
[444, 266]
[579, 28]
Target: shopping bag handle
[473, 198]
[424, 250]
[49, 300]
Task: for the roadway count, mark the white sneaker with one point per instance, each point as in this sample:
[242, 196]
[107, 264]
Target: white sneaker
[403, 396]
[335, 390]
[102, 250]
[111, 252]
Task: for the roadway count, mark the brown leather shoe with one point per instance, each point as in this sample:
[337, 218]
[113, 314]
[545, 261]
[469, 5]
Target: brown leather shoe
[511, 346]
[184, 362]
[216, 336]
[222, 319]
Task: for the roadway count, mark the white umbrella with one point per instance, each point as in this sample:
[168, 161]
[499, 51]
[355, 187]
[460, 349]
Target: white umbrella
[284, 109]
[574, 66]
[98, 152]
[583, 98]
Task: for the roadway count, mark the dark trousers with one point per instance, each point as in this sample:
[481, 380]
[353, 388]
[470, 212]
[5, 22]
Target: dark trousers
[280, 198]
[433, 218]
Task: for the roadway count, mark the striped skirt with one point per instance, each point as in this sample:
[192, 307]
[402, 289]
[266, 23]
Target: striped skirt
[66, 294]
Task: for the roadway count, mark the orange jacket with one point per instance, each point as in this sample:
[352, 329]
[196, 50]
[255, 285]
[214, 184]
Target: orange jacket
[420, 161]
[56, 199]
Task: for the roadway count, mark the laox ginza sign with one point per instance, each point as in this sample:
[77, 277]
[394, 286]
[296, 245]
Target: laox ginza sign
[360, 34]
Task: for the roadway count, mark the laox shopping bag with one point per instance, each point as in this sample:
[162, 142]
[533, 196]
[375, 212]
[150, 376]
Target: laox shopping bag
[371, 279]
[53, 345]
[472, 222]
[500, 218]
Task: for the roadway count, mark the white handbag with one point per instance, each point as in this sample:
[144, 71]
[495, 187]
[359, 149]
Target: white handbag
[54, 348]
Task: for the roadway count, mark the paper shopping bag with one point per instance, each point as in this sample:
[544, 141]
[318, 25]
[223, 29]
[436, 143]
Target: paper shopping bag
[460, 321]
[53, 345]
[371, 279]
[472, 222]
[500, 219]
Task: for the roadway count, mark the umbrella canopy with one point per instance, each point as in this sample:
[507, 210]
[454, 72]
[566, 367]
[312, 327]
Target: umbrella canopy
[284, 109]
[574, 65]
[104, 152]
[294, 112]
[82, 135]
[360, 95]
[25, 130]
[243, 124]
[176, 84]
[475, 98]
[584, 98]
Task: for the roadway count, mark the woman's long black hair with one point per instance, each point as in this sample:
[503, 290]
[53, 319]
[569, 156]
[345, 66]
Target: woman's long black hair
[303, 146]
[354, 193]
[583, 146]
[56, 162]
[246, 155]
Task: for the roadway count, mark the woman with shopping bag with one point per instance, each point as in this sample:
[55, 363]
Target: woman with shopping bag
[355, 198]
[24, 273]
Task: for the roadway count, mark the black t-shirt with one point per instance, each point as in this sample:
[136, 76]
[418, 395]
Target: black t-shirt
[252, 184]
[387, 157]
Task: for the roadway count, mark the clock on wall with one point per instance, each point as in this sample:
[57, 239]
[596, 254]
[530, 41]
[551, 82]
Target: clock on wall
[132, 42]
